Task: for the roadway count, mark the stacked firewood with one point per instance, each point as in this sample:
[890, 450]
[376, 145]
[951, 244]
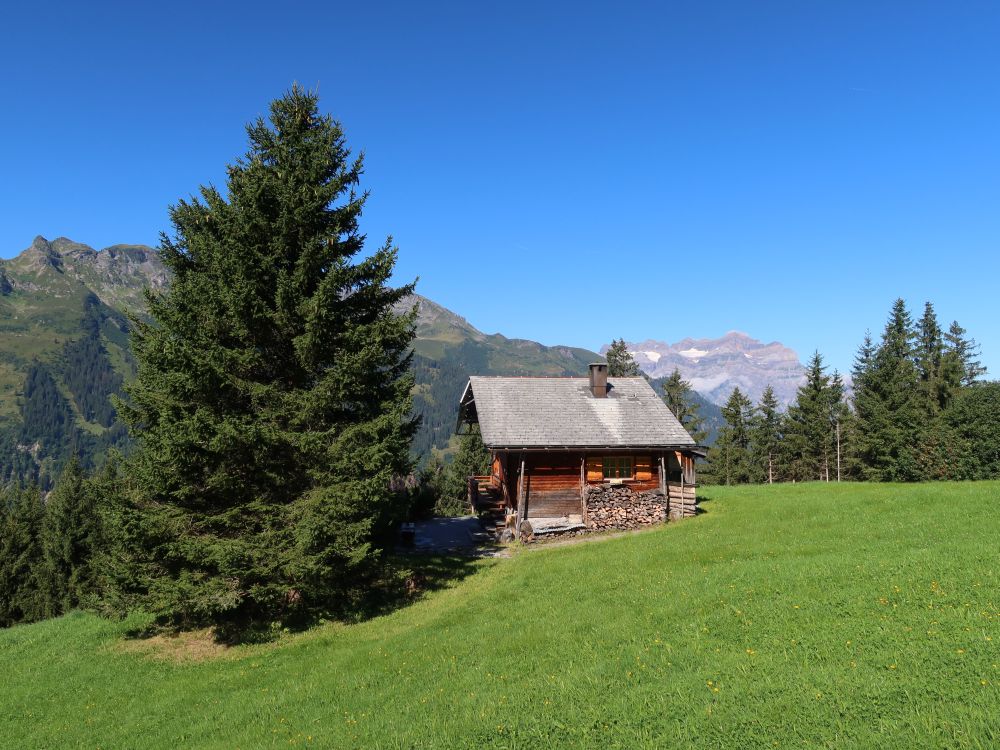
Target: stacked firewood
[618, 507]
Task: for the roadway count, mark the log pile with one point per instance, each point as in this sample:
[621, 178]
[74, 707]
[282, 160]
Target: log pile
[683, 501]
[618, 507]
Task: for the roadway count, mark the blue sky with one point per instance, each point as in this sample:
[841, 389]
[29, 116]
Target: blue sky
[569, 172]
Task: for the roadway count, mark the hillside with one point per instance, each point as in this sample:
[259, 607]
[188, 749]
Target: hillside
[715, 366]
[448, 349]
[809, 615]
[64, 350]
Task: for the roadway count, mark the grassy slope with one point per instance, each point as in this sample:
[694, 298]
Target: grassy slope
[809, 615]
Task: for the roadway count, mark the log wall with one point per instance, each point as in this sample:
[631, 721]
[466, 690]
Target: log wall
[552, 486]
[682, 500]
[645, 470]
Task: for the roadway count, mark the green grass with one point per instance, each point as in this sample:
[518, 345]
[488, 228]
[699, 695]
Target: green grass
[787, 616]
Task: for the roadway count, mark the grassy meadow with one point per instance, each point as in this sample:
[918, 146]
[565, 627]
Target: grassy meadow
[803, 615]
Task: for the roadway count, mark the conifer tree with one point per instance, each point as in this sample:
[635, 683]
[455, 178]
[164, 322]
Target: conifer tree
[21, 596]
[429, 486]
[863, 360]
[730, 459]
[864, 400]
[887, 403]
[841, 422]
[811, 436]
[937, 384]
[70, 537]
[472, 459]
[125, 569]
[934, 393]
[973, 424]
[677, 395]
[765, 438]
[621, 363]
[962, 355]
[272, 404]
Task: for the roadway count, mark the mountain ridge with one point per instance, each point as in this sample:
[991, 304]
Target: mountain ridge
[64, 350]
[715, 366]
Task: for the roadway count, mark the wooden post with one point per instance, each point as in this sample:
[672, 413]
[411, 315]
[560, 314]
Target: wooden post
[583, 486]
[663, 487]
[680, 460]
[520, 501]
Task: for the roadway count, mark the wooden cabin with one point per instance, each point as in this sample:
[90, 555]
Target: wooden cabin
[554, 439]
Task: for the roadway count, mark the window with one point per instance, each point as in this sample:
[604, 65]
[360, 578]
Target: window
[617, 467]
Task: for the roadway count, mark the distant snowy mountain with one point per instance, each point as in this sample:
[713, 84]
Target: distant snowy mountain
[715, 366]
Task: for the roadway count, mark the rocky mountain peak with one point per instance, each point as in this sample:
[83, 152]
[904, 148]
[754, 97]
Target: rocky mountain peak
[42, 254]
[117, 274]
[715, 366]
[433, 320]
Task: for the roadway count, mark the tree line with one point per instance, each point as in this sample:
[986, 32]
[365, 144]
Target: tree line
[917, 409]
[49, 550]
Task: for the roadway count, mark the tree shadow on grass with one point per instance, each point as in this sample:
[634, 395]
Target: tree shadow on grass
[389, 584]
[405, 579]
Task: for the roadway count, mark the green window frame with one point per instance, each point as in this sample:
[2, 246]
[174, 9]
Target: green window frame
[618, 467]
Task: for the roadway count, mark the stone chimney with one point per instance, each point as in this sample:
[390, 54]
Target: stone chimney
[599, 380]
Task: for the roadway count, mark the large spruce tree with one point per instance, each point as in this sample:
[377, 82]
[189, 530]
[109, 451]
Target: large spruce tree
[272, 404]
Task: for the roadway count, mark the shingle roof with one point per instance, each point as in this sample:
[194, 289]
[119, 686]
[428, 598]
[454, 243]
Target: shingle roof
[562, 412]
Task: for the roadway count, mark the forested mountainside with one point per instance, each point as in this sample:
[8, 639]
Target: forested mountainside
[64, 351]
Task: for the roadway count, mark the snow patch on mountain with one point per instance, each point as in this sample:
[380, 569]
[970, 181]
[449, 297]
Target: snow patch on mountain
[692, 353]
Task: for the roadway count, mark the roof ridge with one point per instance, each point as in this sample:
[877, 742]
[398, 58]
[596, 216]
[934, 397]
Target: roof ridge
[516, 410]
[557, 377]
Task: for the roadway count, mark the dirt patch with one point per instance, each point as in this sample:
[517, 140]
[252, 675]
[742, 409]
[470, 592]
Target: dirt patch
[183, 648]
